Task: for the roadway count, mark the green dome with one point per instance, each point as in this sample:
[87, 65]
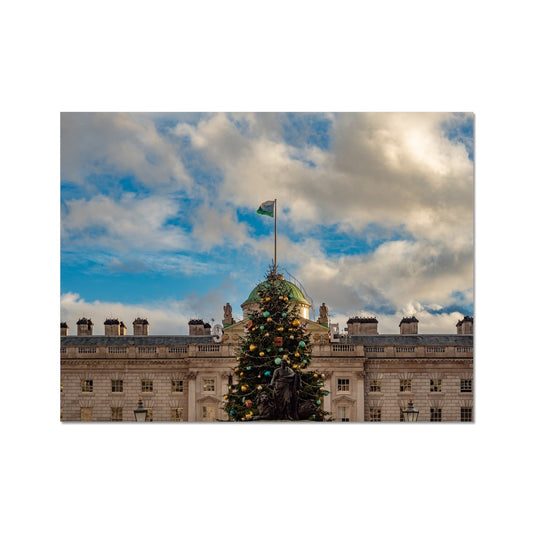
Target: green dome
[295, 294]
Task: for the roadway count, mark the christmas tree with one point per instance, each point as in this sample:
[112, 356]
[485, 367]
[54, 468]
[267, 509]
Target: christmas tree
[273, 380]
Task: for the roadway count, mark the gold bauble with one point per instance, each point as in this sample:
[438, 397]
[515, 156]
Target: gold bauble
[252, 347]
[261, 354]
[244, 388]
[295, 322]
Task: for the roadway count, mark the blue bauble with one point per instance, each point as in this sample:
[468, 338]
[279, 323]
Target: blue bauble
[277, 360]
[266, 314]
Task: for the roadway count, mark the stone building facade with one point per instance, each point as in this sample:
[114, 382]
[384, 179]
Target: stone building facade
[369, 376]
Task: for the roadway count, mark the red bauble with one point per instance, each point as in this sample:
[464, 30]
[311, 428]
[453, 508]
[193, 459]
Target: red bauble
[248, 403]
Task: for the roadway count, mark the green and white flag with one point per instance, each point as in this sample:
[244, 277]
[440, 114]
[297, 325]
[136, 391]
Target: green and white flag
[266, 208]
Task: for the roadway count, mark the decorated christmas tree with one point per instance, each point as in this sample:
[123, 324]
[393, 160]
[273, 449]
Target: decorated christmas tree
[273, 380]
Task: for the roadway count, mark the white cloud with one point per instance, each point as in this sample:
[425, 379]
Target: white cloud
[165, 317]
[395, 172]
[119, 143]
[129, 223]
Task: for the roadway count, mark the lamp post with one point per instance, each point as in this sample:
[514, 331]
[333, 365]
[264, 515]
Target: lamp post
[140, 412]
[410, 414]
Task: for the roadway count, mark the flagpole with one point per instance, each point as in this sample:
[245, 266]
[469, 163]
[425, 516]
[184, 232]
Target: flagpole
[275, 235]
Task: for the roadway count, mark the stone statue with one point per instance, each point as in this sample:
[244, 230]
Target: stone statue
[323, 319]
[286, 385]
[228, 318]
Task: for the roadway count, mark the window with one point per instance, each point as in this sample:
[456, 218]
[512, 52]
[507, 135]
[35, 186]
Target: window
[406, 385]
[343, 385]
[435, 385]
[466, 414]
[176, 414]
[375, 414]
[86, 385]
[208, 413]
[177, 385]
[208, 385]
[466, 385]
[435, 414]
[86, 414]
[343, 414]
[117, 385]
[147, 385]
[116, 414]
[375, 385]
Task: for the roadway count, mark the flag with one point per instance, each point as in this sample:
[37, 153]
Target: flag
[266, 208]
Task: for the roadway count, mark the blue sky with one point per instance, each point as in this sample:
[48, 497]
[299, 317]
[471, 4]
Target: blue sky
[375, 214]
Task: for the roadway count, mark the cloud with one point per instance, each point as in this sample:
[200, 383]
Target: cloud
[129, 223]
[119, 144]
[391, 168]
[402, 182]
[165, 317]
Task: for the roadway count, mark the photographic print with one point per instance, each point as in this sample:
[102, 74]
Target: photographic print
[267, 267]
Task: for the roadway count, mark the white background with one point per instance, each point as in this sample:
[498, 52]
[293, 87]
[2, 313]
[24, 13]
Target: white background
[259, 56]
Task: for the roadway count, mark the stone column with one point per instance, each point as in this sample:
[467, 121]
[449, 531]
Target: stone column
[191, 408]
[327, 399]
[360, 391]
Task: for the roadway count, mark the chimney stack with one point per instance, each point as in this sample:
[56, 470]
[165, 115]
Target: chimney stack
[362, 326]
[64, 329]
[465, 326]
[140, 326]
[409, 326]
[197, 328]
[85, 327]
[122, 328]
[111, 326]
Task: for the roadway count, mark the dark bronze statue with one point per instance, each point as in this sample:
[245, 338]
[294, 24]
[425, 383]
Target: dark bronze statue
[286, 385]
[265, 407]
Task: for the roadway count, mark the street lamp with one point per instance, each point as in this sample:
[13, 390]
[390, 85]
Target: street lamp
[410, 414]
[140, 412]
